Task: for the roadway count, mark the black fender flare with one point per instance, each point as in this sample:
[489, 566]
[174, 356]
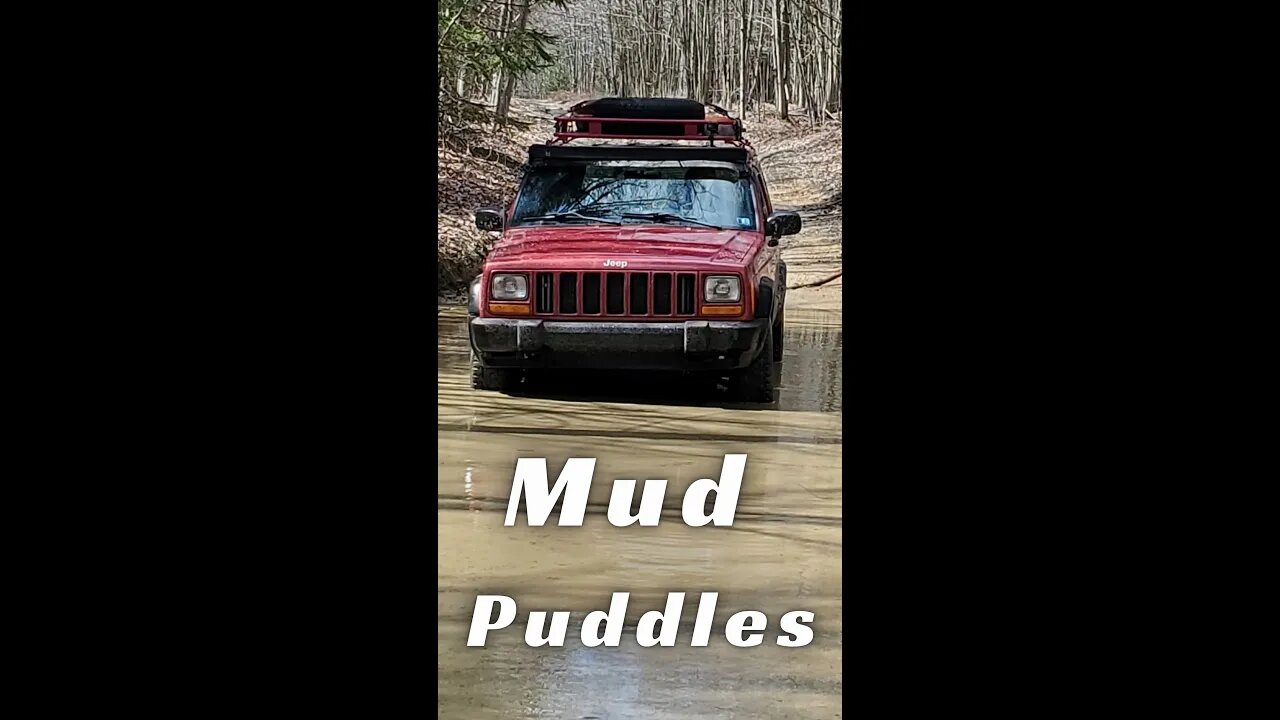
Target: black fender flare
[765, 302]
[473, 298]
[782, 286]
[772, 294]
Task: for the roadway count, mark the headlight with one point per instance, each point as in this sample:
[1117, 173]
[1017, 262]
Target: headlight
[508, 287]
[722, 288]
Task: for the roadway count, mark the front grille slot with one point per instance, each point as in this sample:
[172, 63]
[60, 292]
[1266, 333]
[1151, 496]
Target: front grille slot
[614, 293]
[568, 293]
[662, 293]
[686, 286]
[544, 302]
[591, 293]
[639, 294]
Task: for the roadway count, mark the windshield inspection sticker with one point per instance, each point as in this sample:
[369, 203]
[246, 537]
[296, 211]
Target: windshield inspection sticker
[744, 221]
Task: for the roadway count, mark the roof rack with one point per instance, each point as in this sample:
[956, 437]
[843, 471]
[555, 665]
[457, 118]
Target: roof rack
[556, 154]
[648, 119]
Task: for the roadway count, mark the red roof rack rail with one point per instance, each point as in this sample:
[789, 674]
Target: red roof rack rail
[648, 119]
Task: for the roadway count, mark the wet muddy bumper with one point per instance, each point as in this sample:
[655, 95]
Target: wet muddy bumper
[690, 345]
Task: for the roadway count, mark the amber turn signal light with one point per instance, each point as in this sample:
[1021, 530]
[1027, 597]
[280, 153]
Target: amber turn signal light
[721, 309]
[508, 309]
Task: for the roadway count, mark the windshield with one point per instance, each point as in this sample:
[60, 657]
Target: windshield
[715, 194]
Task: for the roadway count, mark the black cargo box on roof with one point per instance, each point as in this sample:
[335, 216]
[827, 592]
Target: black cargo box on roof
[653, 108]
[552, 154]
[640, 108]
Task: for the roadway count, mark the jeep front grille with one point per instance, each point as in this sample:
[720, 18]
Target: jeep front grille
[545, 299]
[613, 293]
[591, 293]
[627, 294]
[569, 293]
[685, 287]
[662, 293]
[638, 301]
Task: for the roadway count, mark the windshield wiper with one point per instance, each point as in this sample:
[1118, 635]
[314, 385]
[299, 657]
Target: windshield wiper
[669, 218]
[610, 204]
[562, 217]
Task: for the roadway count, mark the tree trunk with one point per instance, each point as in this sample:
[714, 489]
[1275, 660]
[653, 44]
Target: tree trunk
[509, 81]
[781, 40]
[742, 65]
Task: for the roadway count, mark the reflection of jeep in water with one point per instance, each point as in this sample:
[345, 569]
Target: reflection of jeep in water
[635, 256]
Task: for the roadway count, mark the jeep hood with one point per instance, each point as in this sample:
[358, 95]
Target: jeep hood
[621, 243]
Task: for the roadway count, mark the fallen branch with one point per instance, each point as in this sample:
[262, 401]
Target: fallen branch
[833, 202]
[498, 157]
[816, 283]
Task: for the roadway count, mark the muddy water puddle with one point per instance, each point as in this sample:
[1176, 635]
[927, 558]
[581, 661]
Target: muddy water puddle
[781, 554]
[810, 376]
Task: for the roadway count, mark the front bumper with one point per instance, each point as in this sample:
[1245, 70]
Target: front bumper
[690, 345]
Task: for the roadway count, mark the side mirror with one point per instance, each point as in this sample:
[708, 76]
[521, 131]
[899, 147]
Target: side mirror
[489, 218]
[781, 222]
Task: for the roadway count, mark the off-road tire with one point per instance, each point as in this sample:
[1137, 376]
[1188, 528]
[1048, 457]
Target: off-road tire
[754, 383]
[485, 378]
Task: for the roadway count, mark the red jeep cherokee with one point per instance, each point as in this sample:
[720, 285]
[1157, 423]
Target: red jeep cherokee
[660, 254]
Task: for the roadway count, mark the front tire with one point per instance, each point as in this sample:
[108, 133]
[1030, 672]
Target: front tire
[486, 378]
[754, 384]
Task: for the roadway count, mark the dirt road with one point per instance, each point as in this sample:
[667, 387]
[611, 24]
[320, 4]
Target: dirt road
[782, 553]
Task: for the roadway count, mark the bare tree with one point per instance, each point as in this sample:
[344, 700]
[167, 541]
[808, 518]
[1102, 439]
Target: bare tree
[509, 77]
[744, 54]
